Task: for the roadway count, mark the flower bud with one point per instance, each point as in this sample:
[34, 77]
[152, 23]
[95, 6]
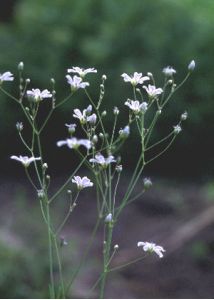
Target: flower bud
[116, 111]
[119, 168]
[177, 129]
[63, 241]
[95, 139]
[45, 166]
[116, 247]
[150, 74]
[52, 80]
[27, 80]
[69, 192]
[104, 113]
[71, 128]
[147, 183]
[21, 66]
[48, 177]
[191, 66]
[108, 218]
[40, 194]
[101, 135]
[19, 126]
[89, 110]
[104, 77]
[184, 116]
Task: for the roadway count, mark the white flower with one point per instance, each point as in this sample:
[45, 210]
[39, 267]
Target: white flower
[136, 106]
[83, 182]
[152, 91]
[191, 65]
[177, 129]
[76, 82]
[151, 247]
[25, 160]
[92, 119]
[135, 79]
[74, 143]
[81, 72]
[169, 71]
[38, 95]
[83, 116]
[80, 115]
[101, 160]
[6, 76]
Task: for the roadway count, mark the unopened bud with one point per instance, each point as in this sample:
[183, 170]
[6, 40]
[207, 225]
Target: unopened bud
[21, 66]
[104, 113]
[52, 80]
[40, 194]
[95, 139]
[101, 135]
[71, 128]
[89, 110]
[147, 183]
[184, 116]
[191, 66]
[27, 80]
[63, 241]
[149, 74]
[116, 111]
[104, 77]
[119, 168]
[19, 126]
[108, 218]
[45, 166]
[177, 129]
[116, 247]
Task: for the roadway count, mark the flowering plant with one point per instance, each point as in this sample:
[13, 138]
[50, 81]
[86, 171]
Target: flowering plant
[99, 152]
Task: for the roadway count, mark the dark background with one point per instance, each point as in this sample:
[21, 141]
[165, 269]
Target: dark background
[114, 36]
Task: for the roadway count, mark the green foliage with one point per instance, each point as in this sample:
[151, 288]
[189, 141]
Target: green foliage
[115, 37]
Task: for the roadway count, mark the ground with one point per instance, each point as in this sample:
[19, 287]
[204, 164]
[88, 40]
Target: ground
[176, 216]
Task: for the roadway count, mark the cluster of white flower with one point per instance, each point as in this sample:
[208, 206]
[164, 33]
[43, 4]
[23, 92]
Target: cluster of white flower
[76, 82]
[137, 78]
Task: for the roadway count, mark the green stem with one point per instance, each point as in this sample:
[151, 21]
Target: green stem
[50, 250]
[106, 256]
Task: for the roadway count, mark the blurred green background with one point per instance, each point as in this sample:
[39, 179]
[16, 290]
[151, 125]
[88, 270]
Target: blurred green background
[114, 36]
